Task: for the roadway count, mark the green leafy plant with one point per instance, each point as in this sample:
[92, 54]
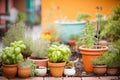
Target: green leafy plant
[98, 61]
[15, 33]
[112, 29]
[74, 36]
[31, 64]
[58, 53]
[81, 16]
[21, 16]
[88, 37]
[28, 43]
[39, 48]
[12, 54]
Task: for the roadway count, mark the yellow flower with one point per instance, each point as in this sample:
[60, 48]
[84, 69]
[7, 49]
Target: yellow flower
[46, 36]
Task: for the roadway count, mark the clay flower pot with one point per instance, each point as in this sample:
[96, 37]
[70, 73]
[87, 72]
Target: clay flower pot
[100, 69]
[112, 70]
[9, 70]
[42, 71]
[56, 69]
[40, 62]
[89, 54]
[24, 72]
[72, 43]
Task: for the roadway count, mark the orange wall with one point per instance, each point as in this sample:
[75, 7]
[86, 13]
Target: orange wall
[60, 9]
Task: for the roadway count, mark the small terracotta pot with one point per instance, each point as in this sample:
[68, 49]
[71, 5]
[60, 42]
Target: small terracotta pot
[9, 70]
[112, 70]
[24, 72]
[72, 43]
[56, 69]
[41, 62]
[100, 69]
[89, 54]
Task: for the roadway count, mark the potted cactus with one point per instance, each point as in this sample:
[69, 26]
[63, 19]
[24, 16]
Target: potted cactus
[58, 56]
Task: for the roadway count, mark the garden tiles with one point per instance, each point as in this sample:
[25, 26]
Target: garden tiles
[91, 78]
[53, 78]
[72, 78]
[109, 78]
[30, 78]
[3, 78]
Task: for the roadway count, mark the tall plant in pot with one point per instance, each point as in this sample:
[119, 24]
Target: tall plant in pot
[10, 57]
[39, 52]
[112, 30]
[88, 49]
[58, 56]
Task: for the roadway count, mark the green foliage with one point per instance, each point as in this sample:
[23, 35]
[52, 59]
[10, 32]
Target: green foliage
[28, 42]
[29, 63]
[15, 33]
[21, 16]
[112, 29]
[39, 48]
[12, 54]
[98, 61]
[87, 39]
[74, 36]
[82, 16]
[58, 53]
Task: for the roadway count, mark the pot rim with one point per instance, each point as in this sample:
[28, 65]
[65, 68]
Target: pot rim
[103, 48]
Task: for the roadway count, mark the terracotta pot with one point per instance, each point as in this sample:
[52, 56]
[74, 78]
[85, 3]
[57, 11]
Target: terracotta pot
[89, 54]
[41, 62]
[56, 69]
[72, 43]
[24, 72]
[100, 69]
[112, 70]
[9, 70]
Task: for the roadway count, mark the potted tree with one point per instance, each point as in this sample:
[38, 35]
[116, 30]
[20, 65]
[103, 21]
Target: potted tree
[39, 50]
[89, 47]
[58, 56]
[10, 57]
[99, 65]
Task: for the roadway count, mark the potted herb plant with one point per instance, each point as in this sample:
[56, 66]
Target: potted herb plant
[87, 48]
[24, 69]
[99, 65]
[10, 57]
[39, 52]
[58, 56]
